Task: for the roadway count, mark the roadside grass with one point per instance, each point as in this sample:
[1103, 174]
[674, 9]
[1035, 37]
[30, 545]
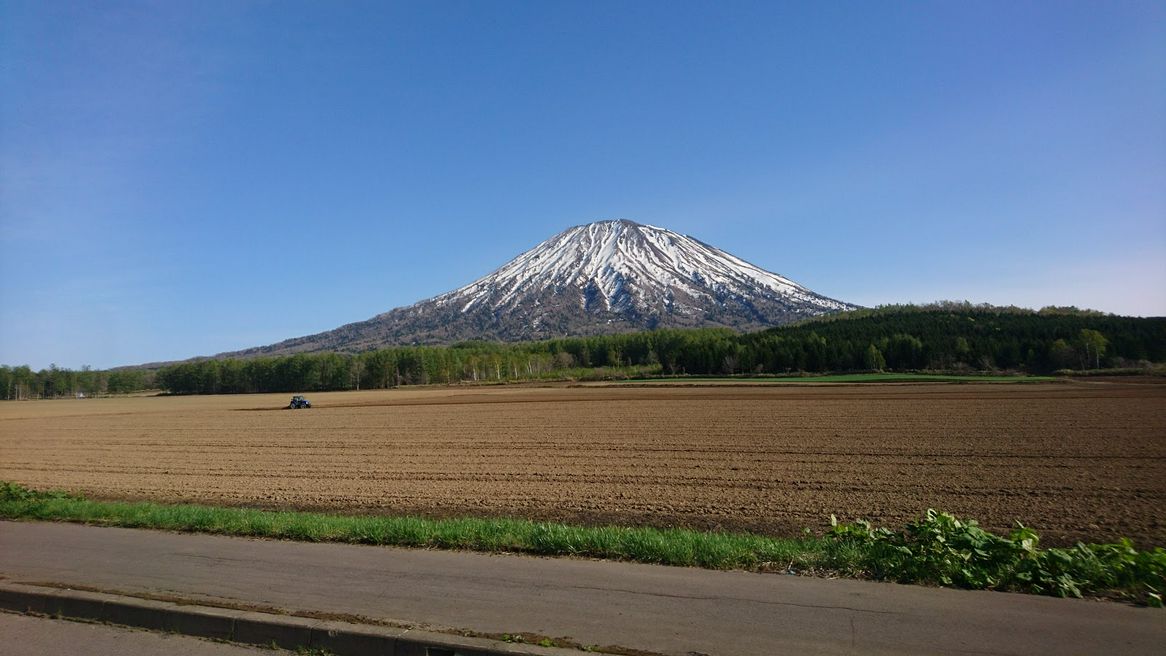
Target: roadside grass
[854, 378]
[647, 545]
[938, 549]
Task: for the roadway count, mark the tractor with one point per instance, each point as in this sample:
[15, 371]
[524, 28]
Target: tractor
[298, 402]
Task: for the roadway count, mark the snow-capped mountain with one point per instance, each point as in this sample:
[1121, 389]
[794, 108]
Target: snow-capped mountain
[603, 277]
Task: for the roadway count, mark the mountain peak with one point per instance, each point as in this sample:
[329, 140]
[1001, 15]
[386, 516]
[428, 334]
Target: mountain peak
[602, 277]
[608, 223]
[632, 266]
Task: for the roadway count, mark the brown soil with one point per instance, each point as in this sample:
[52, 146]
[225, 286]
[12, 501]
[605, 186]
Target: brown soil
[1074, 460]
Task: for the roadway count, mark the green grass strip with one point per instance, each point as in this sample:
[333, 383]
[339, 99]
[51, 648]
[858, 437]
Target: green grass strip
[938, 549]
[647, 545]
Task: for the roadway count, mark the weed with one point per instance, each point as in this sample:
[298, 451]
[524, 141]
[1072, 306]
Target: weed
[16, 492]
[940, 548]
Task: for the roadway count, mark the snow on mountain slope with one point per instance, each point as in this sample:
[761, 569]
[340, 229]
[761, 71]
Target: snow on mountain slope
[603, 277]
[632, 266]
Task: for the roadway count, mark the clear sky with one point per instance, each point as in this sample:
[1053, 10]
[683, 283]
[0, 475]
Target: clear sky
[185, 178]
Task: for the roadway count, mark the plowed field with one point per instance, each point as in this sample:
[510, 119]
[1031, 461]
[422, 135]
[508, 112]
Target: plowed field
[1082, 460]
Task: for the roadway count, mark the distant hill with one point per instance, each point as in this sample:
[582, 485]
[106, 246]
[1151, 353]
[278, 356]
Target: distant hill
[600, 278]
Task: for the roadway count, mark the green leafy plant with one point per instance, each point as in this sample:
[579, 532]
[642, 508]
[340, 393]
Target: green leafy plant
[941, 548]
[16, 492]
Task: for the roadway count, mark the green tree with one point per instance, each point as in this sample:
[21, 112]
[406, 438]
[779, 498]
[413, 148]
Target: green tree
[874, 358]
[1061, 355]
[123, 381]
[1093, 343]
[963, 350]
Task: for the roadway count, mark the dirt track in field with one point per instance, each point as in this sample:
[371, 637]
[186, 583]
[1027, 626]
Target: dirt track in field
[1080, 460]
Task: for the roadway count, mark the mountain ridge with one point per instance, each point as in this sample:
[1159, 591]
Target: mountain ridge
[595, 278]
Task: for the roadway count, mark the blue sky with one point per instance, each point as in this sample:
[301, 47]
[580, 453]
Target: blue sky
[185, 178]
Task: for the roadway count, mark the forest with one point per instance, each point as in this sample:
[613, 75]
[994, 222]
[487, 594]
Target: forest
[54, 382]
[957, 337]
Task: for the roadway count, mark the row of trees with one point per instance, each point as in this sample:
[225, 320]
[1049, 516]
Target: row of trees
[668, 351]
[957, 336]
[24, 383]
[389, 367]
[901, 338]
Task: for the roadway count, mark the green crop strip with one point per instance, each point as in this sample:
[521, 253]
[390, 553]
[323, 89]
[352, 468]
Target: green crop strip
[938, 549]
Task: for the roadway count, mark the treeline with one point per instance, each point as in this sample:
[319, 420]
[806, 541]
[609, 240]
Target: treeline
[409, 365]
[55, 382]
[941, 337]
[951, 337]
[954, 336]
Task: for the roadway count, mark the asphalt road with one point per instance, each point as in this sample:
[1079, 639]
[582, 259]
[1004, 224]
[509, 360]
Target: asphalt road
[24, 635]
[665, 610]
